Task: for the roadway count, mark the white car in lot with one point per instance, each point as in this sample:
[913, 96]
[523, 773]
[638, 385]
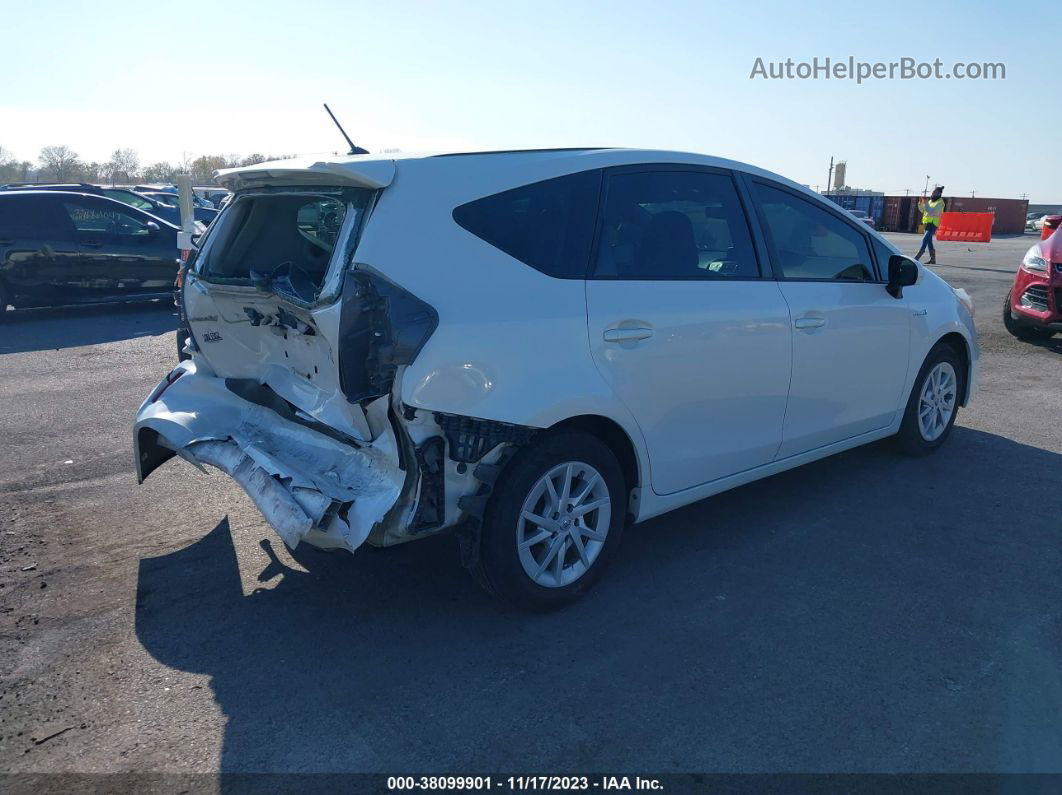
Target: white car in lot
[536, 348]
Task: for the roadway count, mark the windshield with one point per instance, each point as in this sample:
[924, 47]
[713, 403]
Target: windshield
[285, 241]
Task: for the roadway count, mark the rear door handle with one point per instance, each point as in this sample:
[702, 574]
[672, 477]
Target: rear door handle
[809, 322]
[627, 334]
[92, 243]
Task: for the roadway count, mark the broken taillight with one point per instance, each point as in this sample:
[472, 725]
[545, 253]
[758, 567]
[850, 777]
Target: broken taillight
[382, 326]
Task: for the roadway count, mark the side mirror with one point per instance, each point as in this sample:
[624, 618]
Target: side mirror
[152, 228]
[903, 272]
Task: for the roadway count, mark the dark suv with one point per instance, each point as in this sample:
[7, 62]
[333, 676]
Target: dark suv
[163, 210]
[66, 248]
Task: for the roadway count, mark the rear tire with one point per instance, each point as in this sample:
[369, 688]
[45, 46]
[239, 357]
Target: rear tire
[934, 402]
[1020, 330]
[5, 300]
[555, 558]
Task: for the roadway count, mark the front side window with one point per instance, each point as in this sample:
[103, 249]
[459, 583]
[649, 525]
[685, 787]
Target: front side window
[548, 225]
[674, 225]
[809, 242]
[169, 199]
[285, 239]
[103, 219]
[126, 197]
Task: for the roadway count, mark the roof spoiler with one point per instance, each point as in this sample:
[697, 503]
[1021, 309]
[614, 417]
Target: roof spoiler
[359, 171]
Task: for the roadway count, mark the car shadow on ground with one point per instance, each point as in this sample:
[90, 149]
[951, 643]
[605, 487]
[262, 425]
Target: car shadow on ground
[863, 613]
[1053, 344]
[26, 330]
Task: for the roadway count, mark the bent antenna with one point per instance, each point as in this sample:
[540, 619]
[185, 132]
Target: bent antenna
[354, 150]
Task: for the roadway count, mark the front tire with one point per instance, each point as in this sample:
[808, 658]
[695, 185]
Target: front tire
[1020, 330]
[554, 521]
[934, 402]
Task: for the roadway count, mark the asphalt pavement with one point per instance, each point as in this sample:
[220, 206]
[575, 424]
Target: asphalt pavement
[864, 613]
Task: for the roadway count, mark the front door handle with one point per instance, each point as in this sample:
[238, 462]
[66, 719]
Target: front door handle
[92, 243]
[809, 322]
[627, 334]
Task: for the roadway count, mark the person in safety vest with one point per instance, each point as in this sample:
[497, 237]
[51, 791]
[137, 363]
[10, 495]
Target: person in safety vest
[931, 211]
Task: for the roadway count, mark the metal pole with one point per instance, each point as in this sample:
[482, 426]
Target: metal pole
[184, 195]
[829, 178]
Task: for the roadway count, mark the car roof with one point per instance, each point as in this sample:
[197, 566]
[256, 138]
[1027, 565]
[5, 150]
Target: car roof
[51, 187]
[379, 170]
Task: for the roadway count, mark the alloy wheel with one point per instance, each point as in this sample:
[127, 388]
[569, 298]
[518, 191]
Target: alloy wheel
[563, 524]
[936, 404]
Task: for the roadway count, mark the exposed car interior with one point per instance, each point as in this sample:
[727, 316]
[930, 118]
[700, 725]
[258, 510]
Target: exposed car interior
[280, 236]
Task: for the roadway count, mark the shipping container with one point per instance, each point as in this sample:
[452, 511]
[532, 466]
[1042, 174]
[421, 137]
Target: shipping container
[1010, 213]
[901, 213]
[873, 206]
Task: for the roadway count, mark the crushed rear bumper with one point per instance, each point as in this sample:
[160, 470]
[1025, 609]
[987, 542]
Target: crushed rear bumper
[309, 485]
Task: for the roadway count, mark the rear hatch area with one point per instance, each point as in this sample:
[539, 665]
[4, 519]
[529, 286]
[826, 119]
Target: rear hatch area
[262, 397]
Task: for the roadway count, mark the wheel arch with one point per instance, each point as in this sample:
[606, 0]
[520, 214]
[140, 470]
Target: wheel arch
[612, 434]
[958, 343]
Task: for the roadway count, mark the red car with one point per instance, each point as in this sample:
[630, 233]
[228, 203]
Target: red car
[1033, 308]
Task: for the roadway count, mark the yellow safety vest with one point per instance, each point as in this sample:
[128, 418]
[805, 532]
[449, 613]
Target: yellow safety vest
[931, 211]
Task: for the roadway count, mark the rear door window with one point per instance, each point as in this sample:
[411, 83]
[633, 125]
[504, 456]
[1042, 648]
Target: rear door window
[548, 225]
[673, 225]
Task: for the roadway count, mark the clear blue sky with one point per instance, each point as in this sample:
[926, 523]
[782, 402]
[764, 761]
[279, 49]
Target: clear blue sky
[418, 75]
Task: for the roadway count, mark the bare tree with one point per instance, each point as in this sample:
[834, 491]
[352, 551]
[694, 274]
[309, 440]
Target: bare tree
[60, 161]
[203, 168]
[123, 165]
[8, 166]
[159, 172]
[93, 172]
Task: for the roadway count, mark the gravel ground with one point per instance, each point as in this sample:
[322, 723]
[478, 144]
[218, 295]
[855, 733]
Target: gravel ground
[863, 613]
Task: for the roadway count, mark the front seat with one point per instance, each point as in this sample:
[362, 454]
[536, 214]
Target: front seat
[669, 247]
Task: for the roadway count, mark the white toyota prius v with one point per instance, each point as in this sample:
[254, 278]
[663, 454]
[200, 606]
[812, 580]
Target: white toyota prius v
[533, 349]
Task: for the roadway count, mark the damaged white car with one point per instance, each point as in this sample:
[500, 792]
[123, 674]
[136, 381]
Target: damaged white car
[536, 348]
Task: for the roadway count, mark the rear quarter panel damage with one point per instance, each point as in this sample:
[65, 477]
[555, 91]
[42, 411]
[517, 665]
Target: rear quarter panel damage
[307, 484]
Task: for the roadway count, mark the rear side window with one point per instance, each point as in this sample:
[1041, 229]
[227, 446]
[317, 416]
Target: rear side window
[548, 225]
[810, 242]
[29, 217]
